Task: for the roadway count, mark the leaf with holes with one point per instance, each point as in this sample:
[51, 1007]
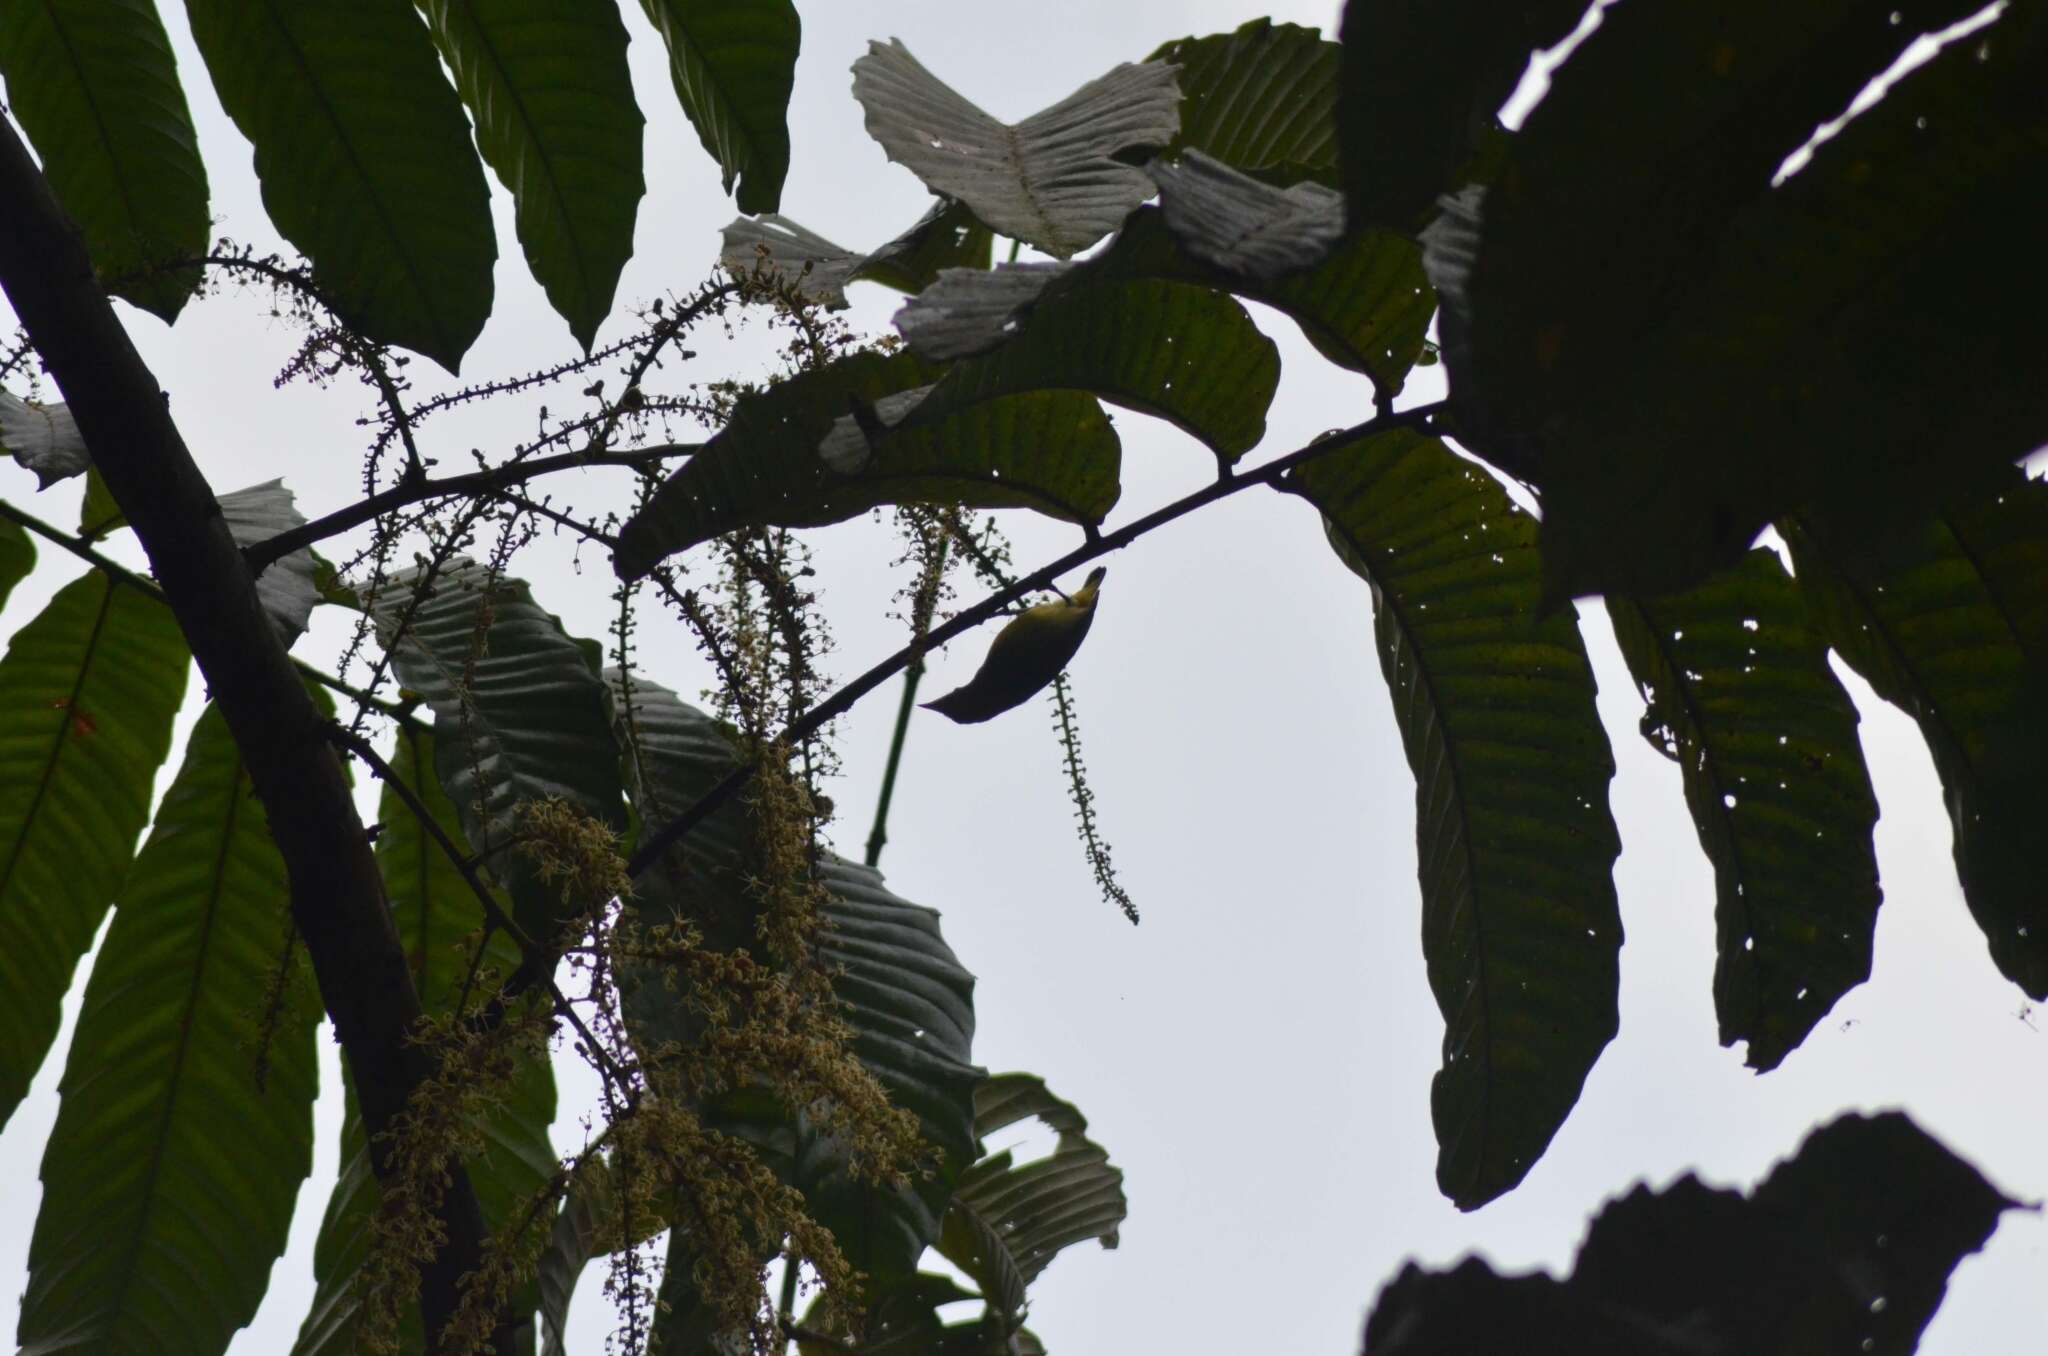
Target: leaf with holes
[547, 84]
[1831, 343]
[520, 719]
[182, 1138]
[1052, 180]
[734, 63]
[1949, 623]
[1262, 99]
[365, 161]
[1741, 696]
[1004, 446]
[95, 88]
[88, 690]
[1514, 840]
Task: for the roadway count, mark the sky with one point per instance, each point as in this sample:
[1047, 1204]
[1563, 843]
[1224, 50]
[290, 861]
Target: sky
[1256, 1055]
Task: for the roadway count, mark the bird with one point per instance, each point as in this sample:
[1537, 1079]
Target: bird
[1024, 657]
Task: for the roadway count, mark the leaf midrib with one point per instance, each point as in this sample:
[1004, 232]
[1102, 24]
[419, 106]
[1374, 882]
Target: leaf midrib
[62, 740]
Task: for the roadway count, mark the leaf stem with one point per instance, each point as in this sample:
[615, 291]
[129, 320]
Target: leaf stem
[841, 701]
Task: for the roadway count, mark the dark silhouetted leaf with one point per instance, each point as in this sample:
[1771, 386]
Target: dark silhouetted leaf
[95, 87]
[1834, 344]
[734, 63]
[1260, 99]
[1421, 82]
[1950, 623]
[1515, 843]
[1051, 180]
[1814, 1260]
[365, 160]
[1001, 446]
[87, 694]
[519, 718]
[547, 84]
[17, 557]
[169, 1180]
[1741, 696]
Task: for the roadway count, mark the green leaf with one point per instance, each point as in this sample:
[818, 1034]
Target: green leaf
[1365, 307]
[1007, 1221]
[1261, 99]
[1813, 1260]
[17, 557]
[43, 438]
[95, 88]
[1833, 343]
[440, 922]
[98, 515]
[1741, 697]
[900, 987]
[547, 84]
[88, 690]
[1052, 180]
[183, 1135]
[1421, 81]
[519, 717]
[1053, 451]
[1950, 624]
[1188, 355]
[365, 160]
[947, 236]
[1514, 840]
[734, 62]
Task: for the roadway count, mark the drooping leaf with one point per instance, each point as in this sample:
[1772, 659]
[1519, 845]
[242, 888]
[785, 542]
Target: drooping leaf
[1188, 355]
[440, 922]
[1813, 1260]
[734, 63]
[1233, 223]
[88, 690]
[1048, 450]
[95, 88]
[365, 160]
[288, 589]
[1007, 1220]
[947, 236]
[902, 991]
[1833, 344]
[520, 719]
[98, 514]
[1366, 307]
[547, 84]
[1261, 99]
[43, 437]
[17, 557]
[1051, 180]
[1741, 696]
[1515, 843]
[181, 1142]
[1421, 82]
[1949, 623]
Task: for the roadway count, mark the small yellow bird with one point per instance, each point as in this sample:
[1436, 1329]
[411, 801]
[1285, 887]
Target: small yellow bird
[1024, 657]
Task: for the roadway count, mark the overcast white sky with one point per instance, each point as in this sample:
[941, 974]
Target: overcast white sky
[1257, 1055]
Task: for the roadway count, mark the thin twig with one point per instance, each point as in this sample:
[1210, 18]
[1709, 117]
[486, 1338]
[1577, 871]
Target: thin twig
[994, 605]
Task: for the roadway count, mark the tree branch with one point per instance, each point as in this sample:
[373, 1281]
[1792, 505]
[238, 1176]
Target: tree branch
[270, 550]
[840, 702]
[337, 896]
